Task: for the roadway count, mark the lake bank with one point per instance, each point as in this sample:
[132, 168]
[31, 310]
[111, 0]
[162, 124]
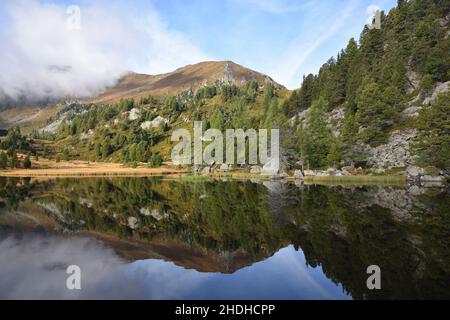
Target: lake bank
[47, 168]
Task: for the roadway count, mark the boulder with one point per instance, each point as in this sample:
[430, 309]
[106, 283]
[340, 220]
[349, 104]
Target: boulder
[132, 223]
[282, 175]
[255, 169]
[310, 173]
[134, 114]
[414, 171]
[298, 174]
[206, 170]
[432, 181]
[440, 88]
[224, 167]
[427, 178]
[155, 123]
[349, 169]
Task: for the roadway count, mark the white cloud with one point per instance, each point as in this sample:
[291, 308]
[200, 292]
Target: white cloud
[41, 57]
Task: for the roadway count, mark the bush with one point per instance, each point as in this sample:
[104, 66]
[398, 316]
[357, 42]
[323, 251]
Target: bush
[27, 162]
[156, 160]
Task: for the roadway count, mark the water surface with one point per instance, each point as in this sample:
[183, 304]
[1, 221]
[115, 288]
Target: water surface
[154, 238]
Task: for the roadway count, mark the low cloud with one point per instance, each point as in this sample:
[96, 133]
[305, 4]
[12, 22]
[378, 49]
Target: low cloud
[42, 57]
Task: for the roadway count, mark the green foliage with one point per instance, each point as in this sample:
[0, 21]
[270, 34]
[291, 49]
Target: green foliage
[376, 111]
[229, 91]
[317, 138]
[217, 121]
[27, 162]
[3, 160]
[156, 160]
[13, 161]
[426, 85]
[432, 144]
[42, 135]
[207, 92]
[15, 141]
[334, 156]
[369, 77]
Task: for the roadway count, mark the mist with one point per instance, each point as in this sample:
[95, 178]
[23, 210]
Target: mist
[52, 51]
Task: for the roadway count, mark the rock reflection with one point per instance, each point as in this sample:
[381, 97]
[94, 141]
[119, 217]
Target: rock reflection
[218, 228]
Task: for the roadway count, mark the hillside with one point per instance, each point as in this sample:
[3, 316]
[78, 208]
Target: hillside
[190, 77]
[383, 103]
[187, 79]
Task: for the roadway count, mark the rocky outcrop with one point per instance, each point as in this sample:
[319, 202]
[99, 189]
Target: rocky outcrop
[147, 125]
[418, 176]
[336, 120]
[134, 114]
[440, 88]
[396, 153]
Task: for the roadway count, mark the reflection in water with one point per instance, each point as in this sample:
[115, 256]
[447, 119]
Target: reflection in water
[161, 239]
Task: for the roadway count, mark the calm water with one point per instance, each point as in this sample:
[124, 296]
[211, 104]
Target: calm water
[149, 238]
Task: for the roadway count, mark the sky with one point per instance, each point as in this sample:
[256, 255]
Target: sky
[50, 49]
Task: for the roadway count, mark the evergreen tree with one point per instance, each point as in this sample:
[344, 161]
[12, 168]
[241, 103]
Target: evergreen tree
[13, 161]
[3, 160]
[373, 112]
[432, 144]
[27, 162]
[334, 157]
[106, 149]
[317, 137]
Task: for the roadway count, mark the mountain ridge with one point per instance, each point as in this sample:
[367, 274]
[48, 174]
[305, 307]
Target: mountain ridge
[187, 78]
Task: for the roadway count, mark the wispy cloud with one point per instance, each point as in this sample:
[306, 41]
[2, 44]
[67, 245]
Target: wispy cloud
[288, 67]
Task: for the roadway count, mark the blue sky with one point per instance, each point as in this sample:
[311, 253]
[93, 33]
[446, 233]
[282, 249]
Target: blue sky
[282, 38]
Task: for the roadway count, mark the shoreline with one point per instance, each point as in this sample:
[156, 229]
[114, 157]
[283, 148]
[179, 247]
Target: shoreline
[48, 169]
[83, 169]
[88, 169]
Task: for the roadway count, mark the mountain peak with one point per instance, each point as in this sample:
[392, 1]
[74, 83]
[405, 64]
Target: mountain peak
[190, 77]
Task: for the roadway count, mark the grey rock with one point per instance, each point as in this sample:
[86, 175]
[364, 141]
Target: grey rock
[255, 169]
[298, 174]
[414, 171]
[206, 170]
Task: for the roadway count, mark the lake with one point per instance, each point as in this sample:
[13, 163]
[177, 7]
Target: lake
[172, 238]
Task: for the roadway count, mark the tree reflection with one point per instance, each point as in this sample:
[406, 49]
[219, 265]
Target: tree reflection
[405, 232]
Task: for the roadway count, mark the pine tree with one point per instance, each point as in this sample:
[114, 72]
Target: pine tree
[317, 137]
[13, 161]
[27, 162]
[373, 112]
[334, 157]
[432, 144]
[3, 160]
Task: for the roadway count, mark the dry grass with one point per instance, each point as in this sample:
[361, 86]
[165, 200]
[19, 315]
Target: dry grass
[49, 168]
[189, 77]
[28, 118]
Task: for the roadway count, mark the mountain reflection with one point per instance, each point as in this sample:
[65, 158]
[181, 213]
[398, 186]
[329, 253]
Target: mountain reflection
[290, 241]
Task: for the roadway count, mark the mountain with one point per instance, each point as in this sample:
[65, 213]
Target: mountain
[190, 77]
[381, 104]
[135, 85]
